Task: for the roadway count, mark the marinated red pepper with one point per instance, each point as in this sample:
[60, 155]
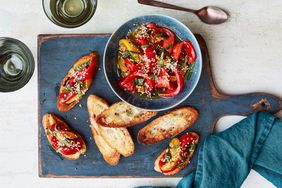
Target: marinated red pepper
[153, 62]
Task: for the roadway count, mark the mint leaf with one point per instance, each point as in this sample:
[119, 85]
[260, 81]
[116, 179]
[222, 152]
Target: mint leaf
[162, 59]
[189, 71]
[81, 66]
[138, 81]
[125, 55]
[68, 89]
[145, 46]
[167, 157]
[192, 147]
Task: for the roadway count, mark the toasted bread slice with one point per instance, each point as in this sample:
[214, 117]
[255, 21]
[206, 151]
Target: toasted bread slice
[178, 169]
[51, 119]
[95, 106]
[117, 138]
[168, 125]
[121, 114]
[65, 105]
[110, 155]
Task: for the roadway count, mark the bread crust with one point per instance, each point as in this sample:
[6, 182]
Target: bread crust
[168, 125]
[175, 171]
[121, 114]
[46, 123]
[62, 107]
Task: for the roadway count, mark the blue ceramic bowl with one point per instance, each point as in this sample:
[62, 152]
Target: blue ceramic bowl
[110, 66]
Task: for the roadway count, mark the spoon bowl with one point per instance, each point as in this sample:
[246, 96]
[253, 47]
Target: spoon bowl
[212, 15]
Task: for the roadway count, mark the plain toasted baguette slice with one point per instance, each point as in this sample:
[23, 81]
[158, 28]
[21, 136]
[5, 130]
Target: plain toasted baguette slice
[121, 114]
[157, 167]
[50, 119]
[110, 155]
[168, 125]
[117, 138]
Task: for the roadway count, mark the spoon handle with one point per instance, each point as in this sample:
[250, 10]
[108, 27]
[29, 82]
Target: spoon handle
[164, 5]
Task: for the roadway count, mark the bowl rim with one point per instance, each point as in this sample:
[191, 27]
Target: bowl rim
[198, 56]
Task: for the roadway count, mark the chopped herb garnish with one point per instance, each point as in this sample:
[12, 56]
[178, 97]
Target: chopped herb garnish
[53, 133]
[158, 47]
[131, 58]
[168, 66]
[138, 24]
[168, 47]
[162, 59]
[138, 81]
[163, 34]
[125, 54]
[68, 89]
[167, 157]
[129, 55]
[65, 142]
[58, 150]
[185, 59]
[154, 76]
[163, 49]
[82, 85]
[82, 66]
[77, 89]
[52, 150]
[180, 165]
[192, 147]
[119, 72]
[145, 46]
[189, 70]
[132, 52]
[174, 147]
[135, 44]
[157, 92]
[168, 54]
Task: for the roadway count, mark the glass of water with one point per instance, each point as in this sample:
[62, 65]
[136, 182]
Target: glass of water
[69, 13]
[16, 64]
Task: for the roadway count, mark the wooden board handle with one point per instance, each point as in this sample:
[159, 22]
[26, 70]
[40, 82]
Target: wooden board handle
[247, 103]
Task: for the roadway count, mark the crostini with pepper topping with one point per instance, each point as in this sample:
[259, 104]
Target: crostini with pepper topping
[77, 81]
[62, 138]
[178, 154]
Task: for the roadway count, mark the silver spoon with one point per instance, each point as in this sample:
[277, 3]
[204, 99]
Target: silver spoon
[208, 14]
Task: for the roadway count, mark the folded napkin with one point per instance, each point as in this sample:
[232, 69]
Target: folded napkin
[226, 158]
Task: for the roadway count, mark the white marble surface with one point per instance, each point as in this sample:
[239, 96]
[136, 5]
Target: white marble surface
[245, 55]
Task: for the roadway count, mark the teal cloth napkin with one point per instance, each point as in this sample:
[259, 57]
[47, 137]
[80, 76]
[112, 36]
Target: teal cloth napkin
[226, 158]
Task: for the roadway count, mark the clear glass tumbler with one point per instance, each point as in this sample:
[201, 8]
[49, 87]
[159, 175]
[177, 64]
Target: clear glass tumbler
[69, 13]
[16, 64]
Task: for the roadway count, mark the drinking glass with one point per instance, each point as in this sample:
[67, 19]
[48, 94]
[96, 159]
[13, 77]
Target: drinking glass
[16, 64]
[69, 13]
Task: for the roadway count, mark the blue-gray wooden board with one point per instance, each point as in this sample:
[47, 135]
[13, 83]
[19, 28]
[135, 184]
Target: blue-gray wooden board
[57, 54]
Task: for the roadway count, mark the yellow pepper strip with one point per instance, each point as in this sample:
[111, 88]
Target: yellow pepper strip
[121, 65]
[174, 150]
[128, 45]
